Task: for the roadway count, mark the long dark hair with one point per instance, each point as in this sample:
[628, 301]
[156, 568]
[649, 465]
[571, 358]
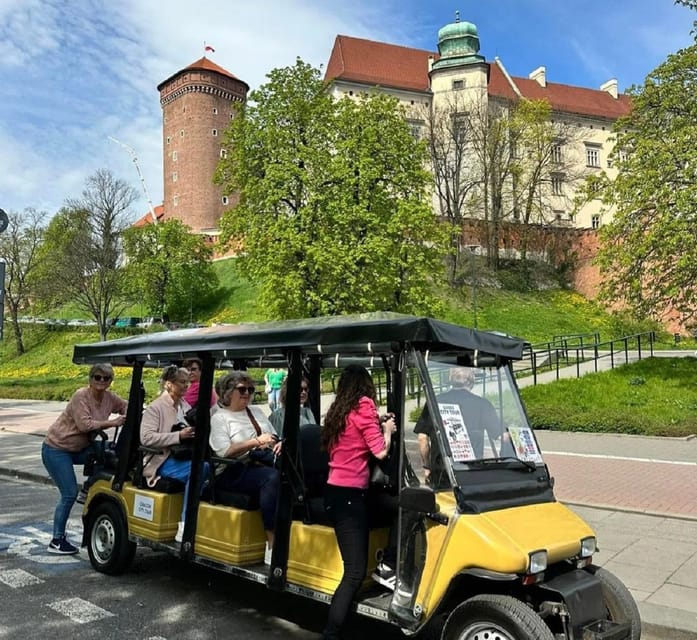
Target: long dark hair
[354, 383]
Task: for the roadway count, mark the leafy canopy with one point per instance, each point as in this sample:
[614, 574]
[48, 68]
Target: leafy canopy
[169, 268]
[334, 214]
[80, 260]
[649, 251]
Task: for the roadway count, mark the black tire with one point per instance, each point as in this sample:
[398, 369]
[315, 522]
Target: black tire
[494, 617]
[619, 602]
[108, 546]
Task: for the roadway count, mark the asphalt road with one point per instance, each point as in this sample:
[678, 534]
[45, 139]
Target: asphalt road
[158, 598]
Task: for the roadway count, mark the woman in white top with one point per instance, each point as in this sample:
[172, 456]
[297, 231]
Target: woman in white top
[238, 428]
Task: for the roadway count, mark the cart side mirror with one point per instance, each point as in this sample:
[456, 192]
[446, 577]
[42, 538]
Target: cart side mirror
[419, 499]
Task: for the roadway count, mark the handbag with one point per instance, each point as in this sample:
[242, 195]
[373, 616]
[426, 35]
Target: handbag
[184, 450]
[265, 456]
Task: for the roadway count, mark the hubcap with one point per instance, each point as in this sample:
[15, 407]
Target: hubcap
[103, 539]
[484, 631]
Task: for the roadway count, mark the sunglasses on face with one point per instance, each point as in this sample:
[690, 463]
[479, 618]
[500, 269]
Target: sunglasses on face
[99, 378]
[243, 390]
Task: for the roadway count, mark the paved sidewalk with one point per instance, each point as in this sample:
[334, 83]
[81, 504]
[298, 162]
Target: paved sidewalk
[639, 494]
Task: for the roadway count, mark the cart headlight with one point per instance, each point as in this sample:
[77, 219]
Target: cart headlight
[537, 561]
[588, 547]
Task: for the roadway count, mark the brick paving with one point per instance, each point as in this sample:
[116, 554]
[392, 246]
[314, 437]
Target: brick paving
[646, 486]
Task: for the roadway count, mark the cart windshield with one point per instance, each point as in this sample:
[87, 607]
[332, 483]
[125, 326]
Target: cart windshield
[472, 420]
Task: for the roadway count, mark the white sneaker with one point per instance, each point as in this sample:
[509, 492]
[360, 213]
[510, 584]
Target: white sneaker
[180, 532]
[267, 555]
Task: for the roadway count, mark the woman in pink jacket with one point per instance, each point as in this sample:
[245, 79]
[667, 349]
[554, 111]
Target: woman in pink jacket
[352, 433]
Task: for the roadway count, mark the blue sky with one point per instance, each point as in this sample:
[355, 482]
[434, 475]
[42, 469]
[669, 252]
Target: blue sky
[75, 72]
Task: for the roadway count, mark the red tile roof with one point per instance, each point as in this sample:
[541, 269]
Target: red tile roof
[388, 65]
[147, 218]
[379, 63]
[207, 65]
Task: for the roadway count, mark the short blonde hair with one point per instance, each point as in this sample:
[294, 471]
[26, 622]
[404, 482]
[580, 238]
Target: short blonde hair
[102, 367]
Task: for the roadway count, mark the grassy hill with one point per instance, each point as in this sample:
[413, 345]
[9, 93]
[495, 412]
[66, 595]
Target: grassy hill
[629, 402]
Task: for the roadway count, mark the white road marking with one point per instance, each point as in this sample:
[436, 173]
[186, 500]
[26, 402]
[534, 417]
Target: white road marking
[607, 457]
[18, 578]
[79, 610]
[36, 539]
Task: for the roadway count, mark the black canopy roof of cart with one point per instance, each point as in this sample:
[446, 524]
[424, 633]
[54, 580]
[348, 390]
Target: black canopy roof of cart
[364, 334]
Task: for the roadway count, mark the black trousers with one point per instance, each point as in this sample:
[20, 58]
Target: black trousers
[347, 509]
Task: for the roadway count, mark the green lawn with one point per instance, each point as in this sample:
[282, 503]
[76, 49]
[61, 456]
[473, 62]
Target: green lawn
[657, 396]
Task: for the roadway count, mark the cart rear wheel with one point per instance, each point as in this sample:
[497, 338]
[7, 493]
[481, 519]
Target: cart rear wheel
[108, 546]
[494, 617]
[619, 602]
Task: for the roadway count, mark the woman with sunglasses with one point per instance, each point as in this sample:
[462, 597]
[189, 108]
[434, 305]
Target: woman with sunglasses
[279, 415]
[162, 414]
[67, 443]
[236, 429]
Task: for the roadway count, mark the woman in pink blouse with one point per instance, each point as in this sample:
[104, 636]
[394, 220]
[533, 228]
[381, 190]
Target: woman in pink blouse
[352, 433]
[67, 443]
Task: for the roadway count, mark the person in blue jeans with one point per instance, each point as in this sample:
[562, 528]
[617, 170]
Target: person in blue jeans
[67, 443]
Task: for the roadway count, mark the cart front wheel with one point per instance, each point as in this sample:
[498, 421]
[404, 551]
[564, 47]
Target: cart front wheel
[494, 617]
[618, 602]
[109, 548]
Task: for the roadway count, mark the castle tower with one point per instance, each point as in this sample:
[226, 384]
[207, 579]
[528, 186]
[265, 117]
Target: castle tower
[197, 105]
[459, 67]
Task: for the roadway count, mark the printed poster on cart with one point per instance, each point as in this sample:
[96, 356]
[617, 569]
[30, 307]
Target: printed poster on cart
[524, 444]
[456, 430]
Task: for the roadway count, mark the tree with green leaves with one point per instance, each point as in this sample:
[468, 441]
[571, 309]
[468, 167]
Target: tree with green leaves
[20, 244]
[334, 214]
[81, 257]
[648, 256]
[169, 268]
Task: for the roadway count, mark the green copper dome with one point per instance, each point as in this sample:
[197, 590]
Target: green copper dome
[458, 43]
[457, 29]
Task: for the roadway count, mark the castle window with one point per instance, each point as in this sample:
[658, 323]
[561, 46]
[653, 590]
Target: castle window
[174, 176]
[175, 201]
[415, 128]
[592, 155]
[558, 184]
[181, 133]
[183, 109]
[225, 200]
[214, 132]
[458, 84]
[556, 153]
[174, 156]
[223, 153]
[215, 111]
[169, 139]
[595, 221]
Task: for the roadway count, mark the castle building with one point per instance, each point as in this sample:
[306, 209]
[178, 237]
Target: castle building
[198, 103]
[424, 81]
[197, 106]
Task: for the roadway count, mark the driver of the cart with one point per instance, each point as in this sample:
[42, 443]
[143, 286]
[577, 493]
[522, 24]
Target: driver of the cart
[479, 415]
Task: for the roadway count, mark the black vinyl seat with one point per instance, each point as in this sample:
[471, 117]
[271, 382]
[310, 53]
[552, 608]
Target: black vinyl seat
[314, 462]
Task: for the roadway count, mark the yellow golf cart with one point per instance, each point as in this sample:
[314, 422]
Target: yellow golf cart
[483, 548]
